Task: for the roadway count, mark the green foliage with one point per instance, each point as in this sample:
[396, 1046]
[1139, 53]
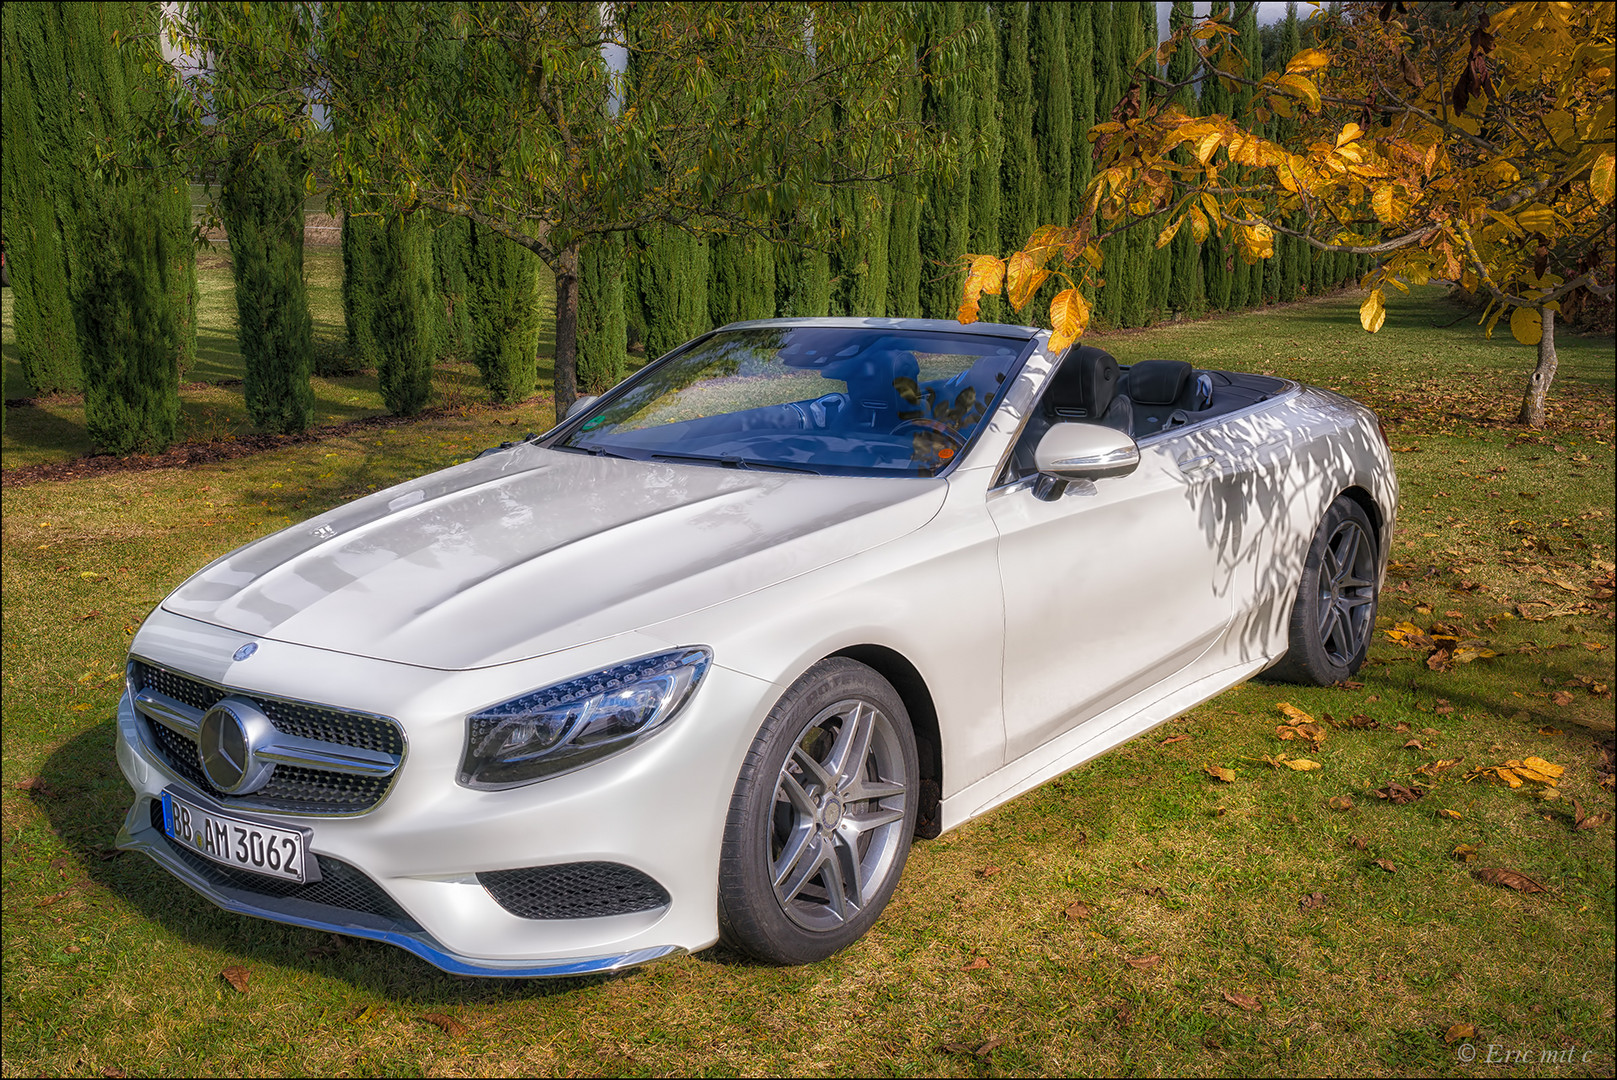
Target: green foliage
[741, 278]
[69, 91]
[361, 279]
[261, 199]
[39, 223]
[857, 265]
[602, 332]
[1136, 21]
[945, 226]
[1186, 291]
[802, 278]
[672, 278]
[1052, 111]
[1081, 67]
[502, 284]
[1018, 167]
[131, 382]
[990, 147]
[405, 318]
[450, 240]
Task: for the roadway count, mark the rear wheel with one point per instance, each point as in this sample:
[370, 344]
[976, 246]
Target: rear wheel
[820, 821]
[1335, 610]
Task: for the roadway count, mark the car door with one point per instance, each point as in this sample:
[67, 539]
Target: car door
[1109, 589]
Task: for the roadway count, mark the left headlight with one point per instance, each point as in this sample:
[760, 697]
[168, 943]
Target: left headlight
[561, 727]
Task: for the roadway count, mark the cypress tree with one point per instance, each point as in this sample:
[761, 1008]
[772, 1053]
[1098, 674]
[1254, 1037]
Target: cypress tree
[126, 324]
[1081, 68]
[857, 263]
[450, 237]
[361, 278]
[945, 226]
[903, 230]
[672, 281]
[602, 331]
[1218, 255]
[741, 279]
[40, 130]
[122, 261]
[65, 87]
[802, 276]
[261, 198]
[986, 162]
[1018, 174]
[405, 320]
[1052, 113]
[1185, 290]
[1252, 49]
[1134, 306]
[502, 284]
[1109, 88]
[1161, 259]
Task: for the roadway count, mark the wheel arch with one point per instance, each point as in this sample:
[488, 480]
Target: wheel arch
[1378, 520]
[904, 678]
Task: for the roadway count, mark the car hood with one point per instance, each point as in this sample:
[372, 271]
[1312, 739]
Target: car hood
[530, 550]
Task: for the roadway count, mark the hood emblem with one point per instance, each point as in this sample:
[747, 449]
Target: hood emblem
[245, 651]
[229, 739]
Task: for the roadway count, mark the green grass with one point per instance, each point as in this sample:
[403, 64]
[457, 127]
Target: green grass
[109, 964]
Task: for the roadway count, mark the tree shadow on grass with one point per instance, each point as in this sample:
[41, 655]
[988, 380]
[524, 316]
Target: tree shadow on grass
[86, 799]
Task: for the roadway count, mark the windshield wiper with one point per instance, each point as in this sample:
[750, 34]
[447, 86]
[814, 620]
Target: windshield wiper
[594, 451]
[736, 463]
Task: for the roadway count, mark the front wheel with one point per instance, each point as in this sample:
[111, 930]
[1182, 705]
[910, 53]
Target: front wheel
[1335, 610]
[820, 821]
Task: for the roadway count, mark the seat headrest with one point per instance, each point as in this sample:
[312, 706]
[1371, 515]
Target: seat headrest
[1158, 382]
[1083, 386]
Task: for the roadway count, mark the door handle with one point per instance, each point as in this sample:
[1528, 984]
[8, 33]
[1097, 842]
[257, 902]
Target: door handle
[1197, 464]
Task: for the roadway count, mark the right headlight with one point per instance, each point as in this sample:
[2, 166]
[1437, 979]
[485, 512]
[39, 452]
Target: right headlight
[561, 727]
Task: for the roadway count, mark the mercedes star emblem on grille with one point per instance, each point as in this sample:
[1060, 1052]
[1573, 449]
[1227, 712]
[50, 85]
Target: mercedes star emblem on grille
[228, 740]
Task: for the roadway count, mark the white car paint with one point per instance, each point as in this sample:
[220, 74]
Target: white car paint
[1044, 632]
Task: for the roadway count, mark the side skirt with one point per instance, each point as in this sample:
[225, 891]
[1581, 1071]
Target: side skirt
[1124, 721]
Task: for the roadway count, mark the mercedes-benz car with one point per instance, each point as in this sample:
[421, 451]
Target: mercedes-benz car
[703, 660]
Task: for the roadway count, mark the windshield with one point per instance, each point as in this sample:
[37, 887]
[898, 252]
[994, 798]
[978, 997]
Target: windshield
[843, 400]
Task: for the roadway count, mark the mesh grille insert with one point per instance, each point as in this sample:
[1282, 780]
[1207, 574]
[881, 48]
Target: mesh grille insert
[573, 890]
[340, 885]
[306, 721]
[291, 790]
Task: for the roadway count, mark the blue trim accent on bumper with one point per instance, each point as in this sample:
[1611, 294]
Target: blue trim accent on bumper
[421, 944]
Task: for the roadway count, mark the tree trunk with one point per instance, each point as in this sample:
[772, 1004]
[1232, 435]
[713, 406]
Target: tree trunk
[566, 330]
[1538, 387]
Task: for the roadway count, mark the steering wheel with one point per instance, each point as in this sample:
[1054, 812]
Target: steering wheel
[935, 442]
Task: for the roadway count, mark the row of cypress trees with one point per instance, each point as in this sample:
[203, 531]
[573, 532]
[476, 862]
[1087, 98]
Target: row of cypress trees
[103, 271]
[106, 290]
[1018, 91]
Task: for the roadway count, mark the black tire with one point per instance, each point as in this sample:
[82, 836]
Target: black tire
[837, 837]
[1334, 614]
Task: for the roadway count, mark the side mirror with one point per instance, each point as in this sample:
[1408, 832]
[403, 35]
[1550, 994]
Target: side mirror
[1073, 451]
[581, 405]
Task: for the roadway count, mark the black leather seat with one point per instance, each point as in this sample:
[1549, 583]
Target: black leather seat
[1085, 388]
[1158, 389]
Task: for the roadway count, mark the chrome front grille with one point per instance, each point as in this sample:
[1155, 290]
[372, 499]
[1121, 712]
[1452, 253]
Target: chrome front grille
[326, 761]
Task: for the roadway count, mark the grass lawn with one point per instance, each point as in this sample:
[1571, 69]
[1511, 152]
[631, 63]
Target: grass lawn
[1289, 937]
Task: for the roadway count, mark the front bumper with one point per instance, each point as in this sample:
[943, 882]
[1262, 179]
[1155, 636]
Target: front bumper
[658, 808]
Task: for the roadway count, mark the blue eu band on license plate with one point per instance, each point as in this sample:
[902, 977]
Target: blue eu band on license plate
[238, 842]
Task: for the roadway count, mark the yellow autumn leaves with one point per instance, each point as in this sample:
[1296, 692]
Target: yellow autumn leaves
[1025, 271]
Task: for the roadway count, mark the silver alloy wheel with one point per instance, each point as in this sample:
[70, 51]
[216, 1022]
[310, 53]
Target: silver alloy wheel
[838, 820]
[1347, 593]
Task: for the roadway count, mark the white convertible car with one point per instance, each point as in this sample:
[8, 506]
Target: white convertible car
[701, 661]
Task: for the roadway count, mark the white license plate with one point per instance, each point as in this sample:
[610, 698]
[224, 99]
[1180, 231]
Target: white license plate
[236, 841]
